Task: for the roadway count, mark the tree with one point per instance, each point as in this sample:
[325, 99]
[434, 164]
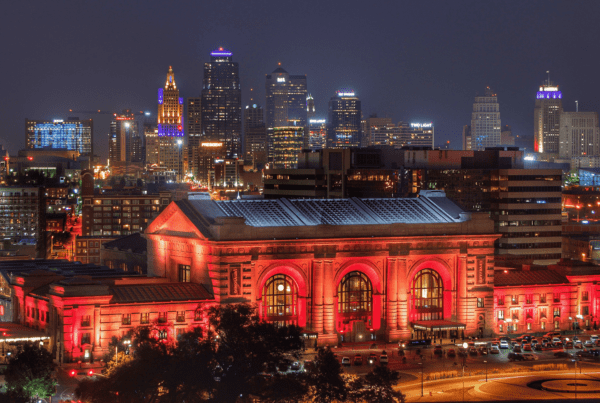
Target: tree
[29, 374]
[379, 386]
[249, 351]
[325, 378]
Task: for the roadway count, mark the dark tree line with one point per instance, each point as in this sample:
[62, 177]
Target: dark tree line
[239, 359]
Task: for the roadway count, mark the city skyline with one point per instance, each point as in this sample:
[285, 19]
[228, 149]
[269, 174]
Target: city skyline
[432, 76]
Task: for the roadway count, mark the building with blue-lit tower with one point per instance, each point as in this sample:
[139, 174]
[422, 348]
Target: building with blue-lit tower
[71, 134]
[221, 102]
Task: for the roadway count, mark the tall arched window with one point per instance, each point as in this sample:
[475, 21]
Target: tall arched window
[280, 300]
[355, 295]
[428, 295]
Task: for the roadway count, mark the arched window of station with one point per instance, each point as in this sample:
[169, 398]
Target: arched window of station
[280, 300]
[427, 296]
[355, 300]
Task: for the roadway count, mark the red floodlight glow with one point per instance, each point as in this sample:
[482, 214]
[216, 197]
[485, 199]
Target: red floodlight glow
[72, 372]
[90, 372]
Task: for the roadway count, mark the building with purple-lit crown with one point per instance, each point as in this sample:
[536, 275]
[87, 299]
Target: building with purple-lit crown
[170, 125]
[546, 118]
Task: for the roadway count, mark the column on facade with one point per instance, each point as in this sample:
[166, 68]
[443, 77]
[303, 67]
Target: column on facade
[317, 309]
[392, 295]
[462, 289]
[328, 293]
[97, 334]
[402, 305]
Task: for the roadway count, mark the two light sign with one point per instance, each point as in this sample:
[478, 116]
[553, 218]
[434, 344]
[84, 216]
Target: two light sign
[422, 125]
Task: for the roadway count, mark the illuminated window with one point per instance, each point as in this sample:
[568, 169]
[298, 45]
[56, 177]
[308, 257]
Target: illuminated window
[514, 299]
[500, 328]
[528, 325]
[180, 316]
[162, 317]
[144, 318]
[542, 298]
[85, 321]
[501, 314]
[556, 312]
[185, 273]
[480, 303]
[529, 299]
[280, 300]
[543, 325]
[162, 334]
[198, 315]
[126, 319]
[427, 295]
[500, 299]
[556, 325]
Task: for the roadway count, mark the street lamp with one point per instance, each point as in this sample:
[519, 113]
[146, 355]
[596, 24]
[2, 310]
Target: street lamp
[421, 364]
[485, 370]
[465, 345]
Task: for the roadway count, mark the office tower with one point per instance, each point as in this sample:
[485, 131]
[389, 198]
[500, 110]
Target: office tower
[546, 118]
[344, 128]
[412, 135]
[288, 142]
[152, 147]
[579, 134]
[466, 137]
[310, 107]
[194, 132]
[376, 130]
[317, 134]
[170, 125]
[123, 134]
[286, 98]
[506, 136]
[222, 102]
[485, 121]
[71, 134]
[255, 136]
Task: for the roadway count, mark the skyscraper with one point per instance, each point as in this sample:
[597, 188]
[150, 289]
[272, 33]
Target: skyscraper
[286, 98]
[194, 132]
[546, 118]
[485, 121]
[310, 107]
[170, 125]
[255, 136]
[123, 139]
[222, 102]
[344, 129]
[288, 142]
[71, 134]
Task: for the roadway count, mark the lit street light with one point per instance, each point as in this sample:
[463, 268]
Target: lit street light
[485, 370]
[465, 345]
[421, 364]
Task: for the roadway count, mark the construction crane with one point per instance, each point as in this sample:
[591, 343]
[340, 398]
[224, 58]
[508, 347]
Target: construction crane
[101, 112]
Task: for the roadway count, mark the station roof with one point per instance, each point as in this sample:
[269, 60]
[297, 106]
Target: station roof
[528, 277]
[162, 292]
[432, 209]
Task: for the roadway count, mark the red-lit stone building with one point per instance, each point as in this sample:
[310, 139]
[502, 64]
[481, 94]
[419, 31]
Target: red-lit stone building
[345, 269]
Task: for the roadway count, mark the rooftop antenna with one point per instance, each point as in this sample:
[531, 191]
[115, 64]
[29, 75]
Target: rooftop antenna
[576, 106]
[548, 77]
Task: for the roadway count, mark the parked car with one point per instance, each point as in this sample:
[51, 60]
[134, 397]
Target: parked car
[483, 350]
[576, 339]
[527, 347]
[594, 338]
[551, 335]
[530, 357]
[568, 344]
[372, 359]
[451, 352]
[515, 357]
[495, 349]
[517, 348]
[538, 347]
[562, 354]
[346, 361]
[526, 337]
[503, 344]
[588, 344]
[296, 366]
[383, 359]
[506, 338]
[557, 342]
[534, 342]
[578, 344]
[358, 360]
[438, 350]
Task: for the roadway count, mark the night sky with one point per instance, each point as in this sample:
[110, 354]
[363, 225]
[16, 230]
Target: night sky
[416, 61]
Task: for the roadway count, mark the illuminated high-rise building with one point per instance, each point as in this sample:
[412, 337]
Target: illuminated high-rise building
[317, 134]
[579, 135]
[170, 125]
[485, 121]
[222, 102]
[288, 142]
[194, 132]
[123, 140]
[546, 118]
[71, 134]
[344, 123]
[255, 136]
[310, 107]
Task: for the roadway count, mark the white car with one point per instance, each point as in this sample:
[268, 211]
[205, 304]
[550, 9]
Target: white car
[346, 361]
[589, 343]
[594, 338]
[495, 349]
[503, 344]
[530, 357]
